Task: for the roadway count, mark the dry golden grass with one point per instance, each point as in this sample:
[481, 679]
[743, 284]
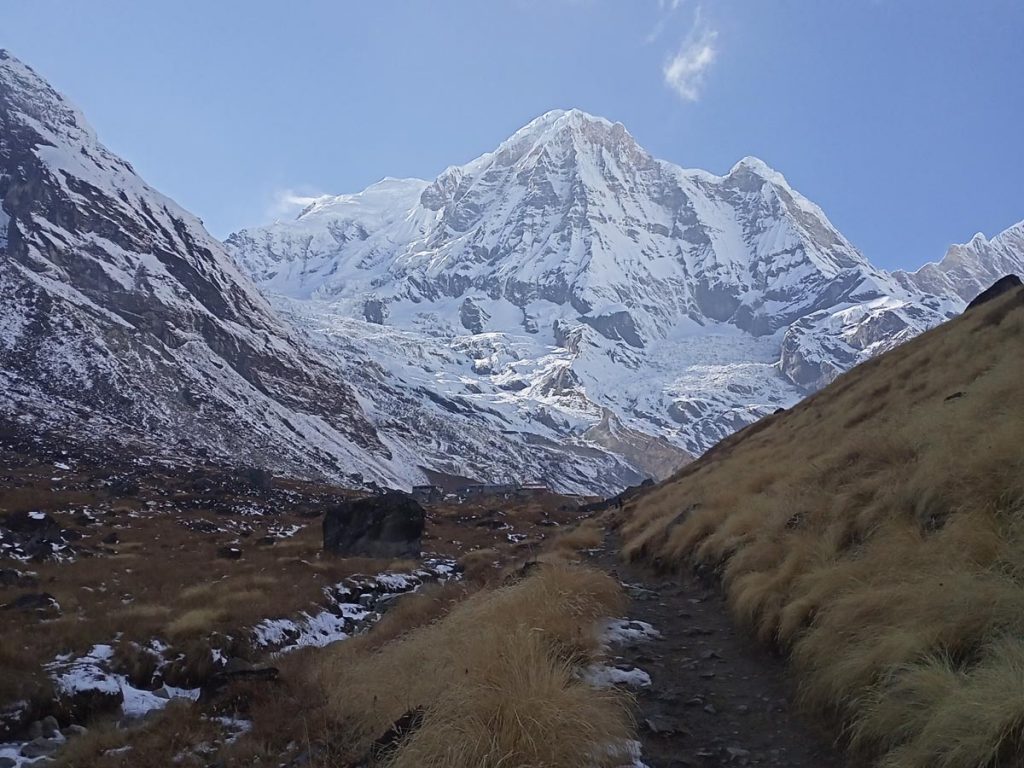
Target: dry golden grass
[587, 535]
[518, 704]
[495, 674]
[876, 532]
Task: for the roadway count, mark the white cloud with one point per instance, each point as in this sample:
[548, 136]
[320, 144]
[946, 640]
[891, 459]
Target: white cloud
[685, 71]
[288, 203]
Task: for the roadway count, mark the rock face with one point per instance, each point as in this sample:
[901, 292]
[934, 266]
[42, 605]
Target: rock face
[387, 526]
[998, 288]
[121, 316]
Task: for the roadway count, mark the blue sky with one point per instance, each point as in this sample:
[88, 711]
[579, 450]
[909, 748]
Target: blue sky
[902, 119]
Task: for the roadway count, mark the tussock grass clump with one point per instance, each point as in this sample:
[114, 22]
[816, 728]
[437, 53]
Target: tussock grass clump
[520, 705]
[494, 677]
[587, 535]
[876, 533]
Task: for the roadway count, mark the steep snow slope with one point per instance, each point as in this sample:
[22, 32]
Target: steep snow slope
[120, 315]
[569, 278]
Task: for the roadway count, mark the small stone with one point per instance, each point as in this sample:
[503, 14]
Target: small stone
[710, 709]
[662, 726]
[40, 748]
[707, 675]
[50, 727]
[708, 655]
[235, 665]
[74, 730]
[737, 753]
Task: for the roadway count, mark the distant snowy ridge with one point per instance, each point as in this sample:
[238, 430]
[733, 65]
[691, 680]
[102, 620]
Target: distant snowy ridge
[968, 269]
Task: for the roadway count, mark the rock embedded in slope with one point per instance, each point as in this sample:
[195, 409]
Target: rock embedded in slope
[998, 288]
[387, 526]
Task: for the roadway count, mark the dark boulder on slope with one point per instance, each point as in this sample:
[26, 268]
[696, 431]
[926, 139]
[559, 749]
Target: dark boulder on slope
[388, 526]
[998, 288]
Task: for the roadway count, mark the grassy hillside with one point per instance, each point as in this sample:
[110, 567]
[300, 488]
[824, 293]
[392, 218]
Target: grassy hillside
[875, 532]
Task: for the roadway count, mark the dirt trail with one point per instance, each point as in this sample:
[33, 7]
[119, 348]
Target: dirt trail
[716, 697]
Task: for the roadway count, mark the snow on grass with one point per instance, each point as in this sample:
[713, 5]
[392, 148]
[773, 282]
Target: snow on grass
[353, 603]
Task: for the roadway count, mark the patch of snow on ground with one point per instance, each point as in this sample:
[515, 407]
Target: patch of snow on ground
[235, 727]
[91, 673]
[354, 602]
[621, 631]
[629, 752]
[606, 676]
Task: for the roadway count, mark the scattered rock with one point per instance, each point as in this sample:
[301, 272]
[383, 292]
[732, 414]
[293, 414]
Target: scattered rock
[401, 728]
[235, 665]
[250, 674]
[40, 748]
[112, 538]
[34, 535]
[387, 526]
[663, 726]
[14, 718]
[50, 727]
[40, 603]
[230, 552]
[12, 577]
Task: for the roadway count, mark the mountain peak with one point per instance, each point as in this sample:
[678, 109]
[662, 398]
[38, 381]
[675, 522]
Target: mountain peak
[568, 127]
[759, 168]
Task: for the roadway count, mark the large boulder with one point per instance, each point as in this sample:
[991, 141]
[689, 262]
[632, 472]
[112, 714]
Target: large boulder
[387, 526]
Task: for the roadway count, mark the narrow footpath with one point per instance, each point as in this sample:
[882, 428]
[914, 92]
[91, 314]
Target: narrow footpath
[717, 698]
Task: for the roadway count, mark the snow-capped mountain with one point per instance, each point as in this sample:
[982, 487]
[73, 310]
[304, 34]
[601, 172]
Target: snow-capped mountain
[968, 269]
[565, 309]
[570, 279]
[121, 316]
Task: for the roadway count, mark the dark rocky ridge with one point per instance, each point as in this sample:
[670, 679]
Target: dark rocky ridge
[117, 304]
